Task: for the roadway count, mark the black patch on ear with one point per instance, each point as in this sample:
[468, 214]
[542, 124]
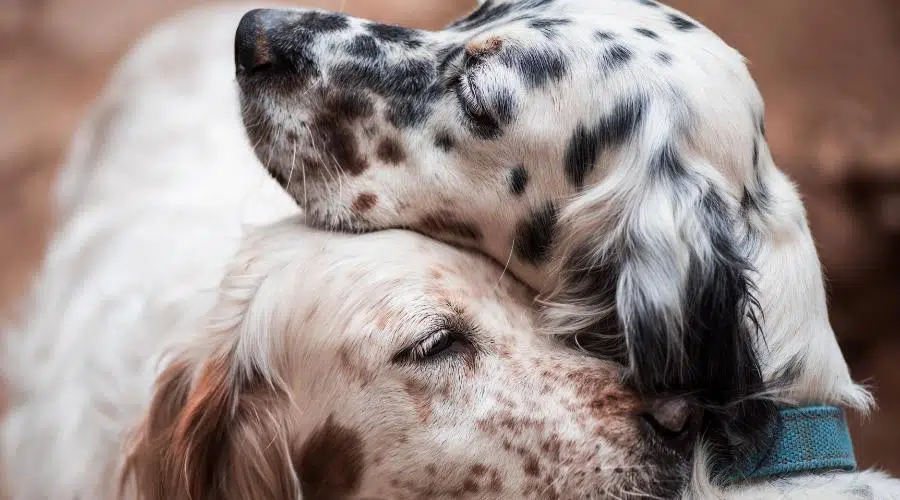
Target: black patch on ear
[534, 235]
[717, 361]
[549, 26]
[667, 164]
[390, 33]
[664, 57]
[538, 66]
[604, 36]
[364, 46]
[322, 22]
[485, 13]
[587, 143]
[444, 141]
[615, 57]
[647, 33]
[518, 180]
[681, 23]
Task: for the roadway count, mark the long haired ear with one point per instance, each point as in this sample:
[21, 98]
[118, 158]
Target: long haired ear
[212, 432]
[653, 275]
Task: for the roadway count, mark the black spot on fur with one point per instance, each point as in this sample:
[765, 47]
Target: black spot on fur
[538, 66]
[390, 151]
[364, 46]
[333, 128]
[390, 33]
[647, 33]
[711, 355]
[534, 235]
[587, 143]
[668, 165]
[762, 126]
[444, 141]
[518, 180]
[503, 103]
[411, 111]
[485, 14]
[615, 57]
[411, 76]
[648, 3]
[447, 56]
[681, 23]
[604, 36]
[348, 105]
[322, 22]
[664, 57]
[549, 27]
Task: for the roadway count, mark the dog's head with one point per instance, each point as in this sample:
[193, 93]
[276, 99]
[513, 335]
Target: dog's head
[609, 152]
[392, 366]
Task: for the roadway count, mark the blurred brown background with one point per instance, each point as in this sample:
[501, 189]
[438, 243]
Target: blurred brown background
[829, 70]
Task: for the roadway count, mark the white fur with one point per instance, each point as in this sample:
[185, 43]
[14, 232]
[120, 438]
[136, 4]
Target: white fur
[148, 226]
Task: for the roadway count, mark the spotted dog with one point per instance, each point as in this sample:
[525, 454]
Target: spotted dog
[610, 153]
[188, 334]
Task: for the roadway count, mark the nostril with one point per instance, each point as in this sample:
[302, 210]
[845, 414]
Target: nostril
[252, 48]
[670, 414]
[674, 421]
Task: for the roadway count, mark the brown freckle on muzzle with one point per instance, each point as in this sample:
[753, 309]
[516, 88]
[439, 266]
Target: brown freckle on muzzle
[420, 398]
[331, 462]
[334, 126]
[364, 202]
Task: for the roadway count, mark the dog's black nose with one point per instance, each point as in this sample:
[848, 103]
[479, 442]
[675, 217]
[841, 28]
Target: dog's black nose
[674, 423]
[253, 50]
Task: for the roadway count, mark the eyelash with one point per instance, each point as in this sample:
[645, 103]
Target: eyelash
[422, 350]
[446, 334]
[467, 91]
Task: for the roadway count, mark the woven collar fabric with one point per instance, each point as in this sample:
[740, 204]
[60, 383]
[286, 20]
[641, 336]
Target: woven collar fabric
[809, 439]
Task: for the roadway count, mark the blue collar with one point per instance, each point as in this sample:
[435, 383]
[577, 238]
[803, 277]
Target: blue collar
[809, 439]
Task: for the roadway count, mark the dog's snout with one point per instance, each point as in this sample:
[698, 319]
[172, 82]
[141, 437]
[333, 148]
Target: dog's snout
[674, 422]
[253, 48]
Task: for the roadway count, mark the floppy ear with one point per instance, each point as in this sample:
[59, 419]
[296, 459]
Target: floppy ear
[221, 434]
[652, 274]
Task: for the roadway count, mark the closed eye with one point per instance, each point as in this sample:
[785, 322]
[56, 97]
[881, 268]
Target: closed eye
[450, 338]
[469, 97]
[442, 343]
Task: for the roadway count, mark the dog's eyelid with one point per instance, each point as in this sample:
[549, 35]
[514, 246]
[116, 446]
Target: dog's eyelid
[452, 326]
